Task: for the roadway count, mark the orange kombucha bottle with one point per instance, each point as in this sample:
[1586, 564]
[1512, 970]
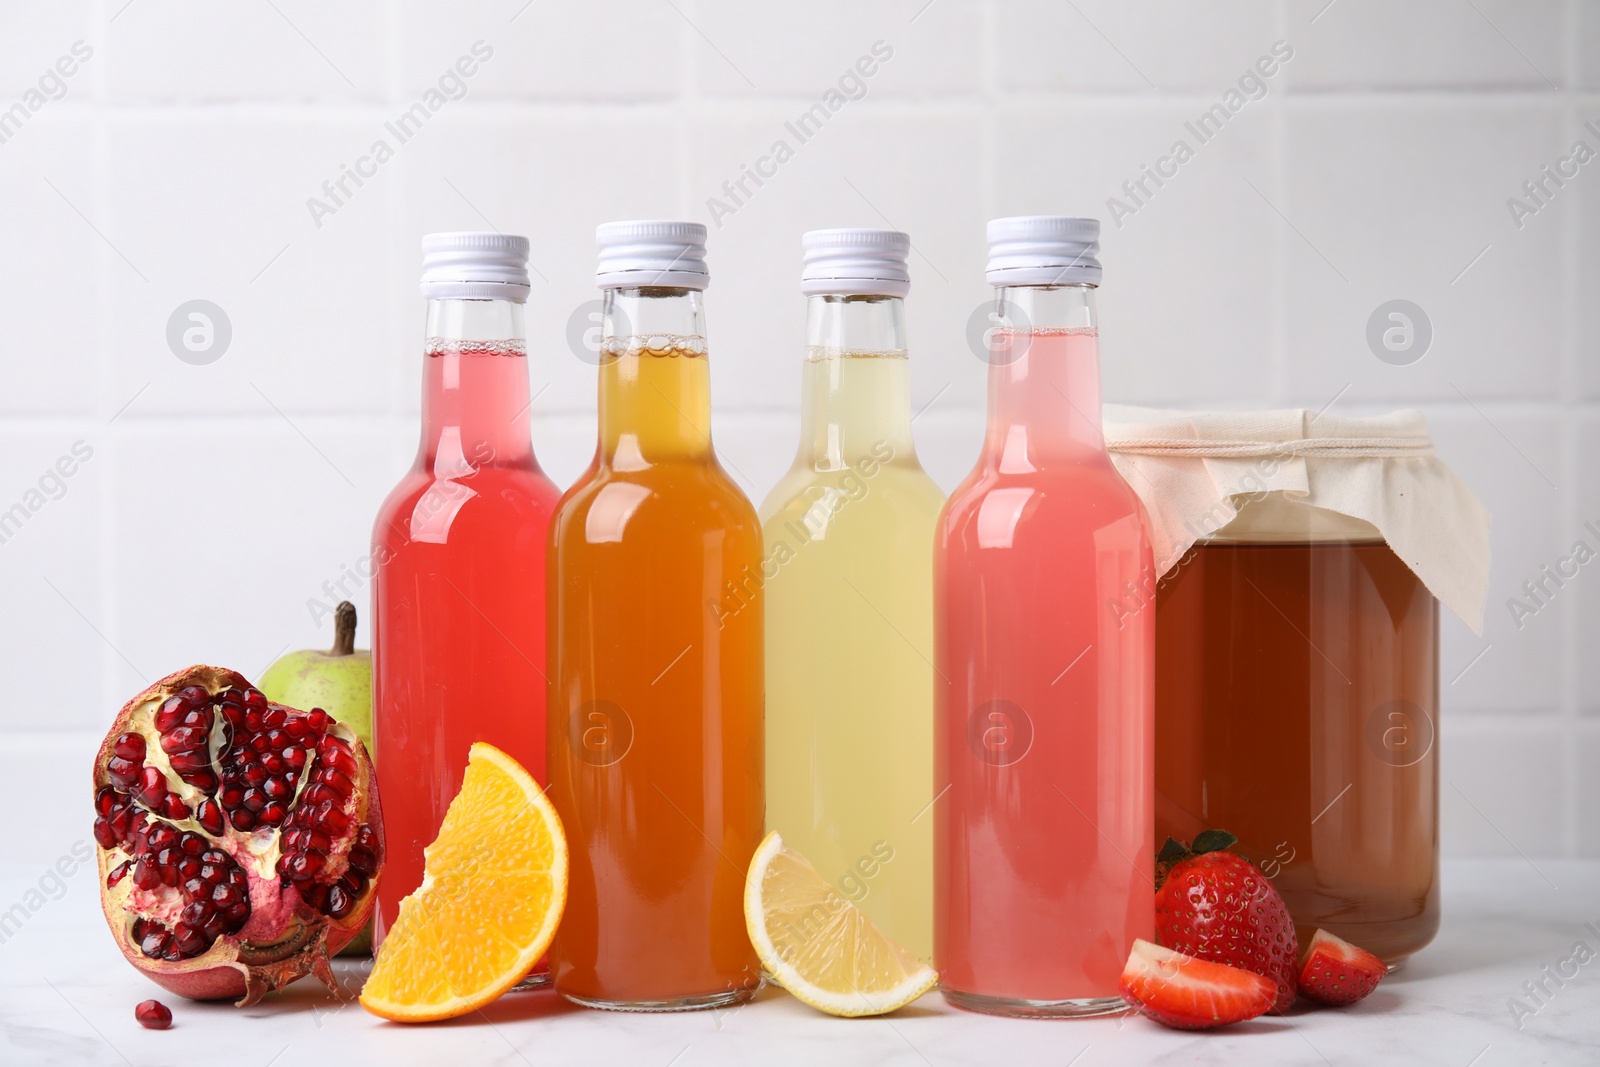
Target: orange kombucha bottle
[655, 659]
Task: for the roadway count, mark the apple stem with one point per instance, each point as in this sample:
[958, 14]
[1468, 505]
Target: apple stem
[344, 629]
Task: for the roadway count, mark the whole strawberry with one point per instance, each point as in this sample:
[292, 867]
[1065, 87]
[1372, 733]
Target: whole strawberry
[1218, 906]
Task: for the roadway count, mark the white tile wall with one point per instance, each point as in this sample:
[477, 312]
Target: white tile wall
[176, 164]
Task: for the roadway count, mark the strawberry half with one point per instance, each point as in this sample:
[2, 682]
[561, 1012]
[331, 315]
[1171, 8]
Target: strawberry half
[1192, 994]
[1333, 971]
[1218, 906]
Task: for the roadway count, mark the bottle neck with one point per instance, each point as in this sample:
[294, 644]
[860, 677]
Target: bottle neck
[655, 381]
[1044, 377]
[475, 387]
[856, 394]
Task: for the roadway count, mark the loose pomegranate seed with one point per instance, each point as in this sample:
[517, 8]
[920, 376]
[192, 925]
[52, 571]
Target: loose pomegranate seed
[153, 1015]
[117, 873]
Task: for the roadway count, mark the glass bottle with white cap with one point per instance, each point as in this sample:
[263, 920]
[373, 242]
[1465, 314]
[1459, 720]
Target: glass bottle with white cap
[849, 548]
[655, 654]
[458, 549]
[1042, 843]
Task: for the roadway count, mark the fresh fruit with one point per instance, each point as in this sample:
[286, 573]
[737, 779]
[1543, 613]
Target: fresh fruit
[1333, 971]
[153, 1015]
[340, 681]
[818, 945]
[1218, 906]
[1191, 993]
[493, 888]
[239, 840]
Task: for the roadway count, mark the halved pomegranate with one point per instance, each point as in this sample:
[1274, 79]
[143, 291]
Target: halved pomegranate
[240, 841]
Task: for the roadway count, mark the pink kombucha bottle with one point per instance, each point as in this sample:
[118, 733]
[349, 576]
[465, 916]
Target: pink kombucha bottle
[458, 646]
[1042, 836]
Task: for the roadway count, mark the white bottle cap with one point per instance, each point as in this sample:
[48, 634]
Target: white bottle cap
[1044, 250]
[475, 266]
[854, 262]
[651, 252]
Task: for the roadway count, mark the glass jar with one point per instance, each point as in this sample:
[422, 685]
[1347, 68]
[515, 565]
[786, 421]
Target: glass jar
[1297, 700]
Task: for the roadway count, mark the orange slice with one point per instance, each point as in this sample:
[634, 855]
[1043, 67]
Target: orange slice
[493, 887]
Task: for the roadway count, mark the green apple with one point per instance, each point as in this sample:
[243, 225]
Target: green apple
[339, 682]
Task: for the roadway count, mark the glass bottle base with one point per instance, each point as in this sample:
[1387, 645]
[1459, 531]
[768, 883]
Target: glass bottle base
[1021, 1008]
[723, 999]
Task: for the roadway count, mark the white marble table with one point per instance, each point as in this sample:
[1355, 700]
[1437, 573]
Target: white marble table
[66, 997]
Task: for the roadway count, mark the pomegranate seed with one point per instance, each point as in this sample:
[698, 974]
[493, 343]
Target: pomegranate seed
[275, 717]
[317, 720]
[252, 721]
[363, 860]
[129, 747]
[296, 727]
[210, 817]
[122, 822]
[146, 875]
[254, 800]
[295, 757]
[203, 780]
[315, 895]
[335, 820]
[122, 772]
[173, 807]
[339, 902]
[153, 1015]
[196, 889]
[274, 763]
[336, 780]
[216, 925]
[273, 813]
[156, 943]
[259, 744]
[189, 868]
[196, 696]
[254, 700]
[367, 838]
[181, 739]
[189, 941]
[195, 913]
[152, 787]
[306, 865]
[255, 773]
[117, 873]
[171, 713]
[276, 788]
[186, 763]
[232, 796]
[104, 835]
[199, 717]
[225, 896]
[162, 836]
[242, 820]
[217, 858]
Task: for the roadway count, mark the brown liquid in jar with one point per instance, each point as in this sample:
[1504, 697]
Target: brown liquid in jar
[1296, 706]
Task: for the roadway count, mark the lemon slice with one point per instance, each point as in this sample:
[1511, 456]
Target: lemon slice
[818, 945]
[493, 888]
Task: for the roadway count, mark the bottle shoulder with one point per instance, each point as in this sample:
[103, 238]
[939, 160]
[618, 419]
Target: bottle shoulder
[662, 497]
[425, 506]
[1086, 496]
